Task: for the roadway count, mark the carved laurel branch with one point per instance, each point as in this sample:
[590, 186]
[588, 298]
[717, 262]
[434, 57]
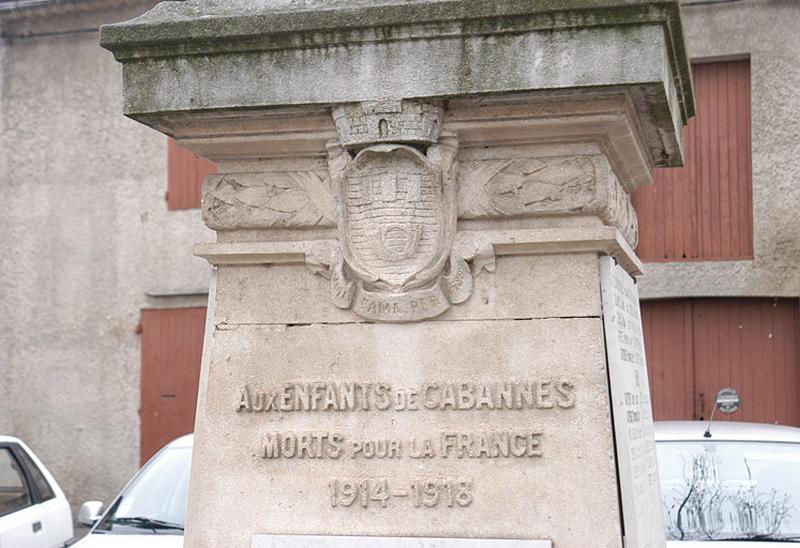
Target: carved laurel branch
[468, 248]
[517, 186]
[545, 186]
[269, 199]
[325, 259]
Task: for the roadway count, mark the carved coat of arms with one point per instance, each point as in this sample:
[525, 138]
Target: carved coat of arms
[398, 257]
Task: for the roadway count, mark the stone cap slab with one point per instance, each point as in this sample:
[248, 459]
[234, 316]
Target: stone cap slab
[212, 55]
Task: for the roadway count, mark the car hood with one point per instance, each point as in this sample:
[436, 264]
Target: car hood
[130, 541]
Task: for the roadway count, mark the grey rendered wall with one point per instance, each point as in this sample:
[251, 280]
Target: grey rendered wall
[767, 32]
[84, 234]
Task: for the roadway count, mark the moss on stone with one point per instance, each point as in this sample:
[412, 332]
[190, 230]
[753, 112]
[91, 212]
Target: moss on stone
[212, 27]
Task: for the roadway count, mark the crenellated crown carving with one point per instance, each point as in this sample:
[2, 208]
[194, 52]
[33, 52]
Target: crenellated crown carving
[388, 121]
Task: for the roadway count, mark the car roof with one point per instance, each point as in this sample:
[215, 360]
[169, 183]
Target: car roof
[725, 431]
[186, 441]
[9, 439]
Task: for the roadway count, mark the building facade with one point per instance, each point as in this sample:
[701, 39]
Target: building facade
[88, 244]
[720, 236]
[102, 305]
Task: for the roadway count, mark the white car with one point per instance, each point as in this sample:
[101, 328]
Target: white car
[150, 511]
[34, 513]
[737, 488]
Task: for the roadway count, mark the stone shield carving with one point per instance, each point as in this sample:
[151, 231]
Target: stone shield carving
[398, 256]
[395, 217]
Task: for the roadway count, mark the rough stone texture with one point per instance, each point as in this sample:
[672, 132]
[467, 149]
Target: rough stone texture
[372, 51]
[520, 181]
[269, 199]
[637, 465]
[535, 181]
[530, 497]
[335, 541]
[520, 288]
[535, 314]
[414, 233]
[767, 32]
[84, 233]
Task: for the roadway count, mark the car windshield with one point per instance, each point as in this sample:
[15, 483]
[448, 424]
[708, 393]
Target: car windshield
[725, 490]
[156, 501]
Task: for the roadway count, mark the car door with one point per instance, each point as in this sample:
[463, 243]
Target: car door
[20, 525]
[54, 510]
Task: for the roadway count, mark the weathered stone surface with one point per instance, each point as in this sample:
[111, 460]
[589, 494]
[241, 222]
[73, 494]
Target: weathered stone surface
[268, 199]
[632, 408]
[319, 541]
[388, 121]
[398, 257]
[530, 496]
[520, 287]
[515, 186]
[371, 51]
[479, 154]
[518, 182]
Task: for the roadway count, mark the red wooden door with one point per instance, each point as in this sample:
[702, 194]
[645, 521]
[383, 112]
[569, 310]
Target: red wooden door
[172, 347]
[697, 346]
[669, 343]
[185, 174]
[704, 210]
[752, 345]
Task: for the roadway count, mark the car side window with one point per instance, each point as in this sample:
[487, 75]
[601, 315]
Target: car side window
[35, 474]
[14, 493]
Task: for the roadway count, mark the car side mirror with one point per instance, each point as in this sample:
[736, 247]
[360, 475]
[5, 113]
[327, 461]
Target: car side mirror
[90, 512]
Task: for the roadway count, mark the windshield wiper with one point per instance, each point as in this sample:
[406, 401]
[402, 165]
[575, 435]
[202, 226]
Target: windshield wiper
[146, 523]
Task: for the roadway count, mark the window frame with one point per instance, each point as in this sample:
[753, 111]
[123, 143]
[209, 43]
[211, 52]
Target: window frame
[16, 451]
[26, 458]
[33, 494]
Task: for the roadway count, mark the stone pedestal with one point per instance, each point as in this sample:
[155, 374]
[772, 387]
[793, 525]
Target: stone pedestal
[422, 214]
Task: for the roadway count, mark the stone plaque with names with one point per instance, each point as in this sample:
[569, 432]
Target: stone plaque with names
[630, 400]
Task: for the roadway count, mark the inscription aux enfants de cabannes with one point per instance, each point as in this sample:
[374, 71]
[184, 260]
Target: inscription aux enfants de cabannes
[430, 396]
[358, 396]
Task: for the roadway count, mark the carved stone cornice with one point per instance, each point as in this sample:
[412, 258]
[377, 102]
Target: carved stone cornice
[347, 52]
[401, 191]
[383, 143]
[557, 156]
[541, 241]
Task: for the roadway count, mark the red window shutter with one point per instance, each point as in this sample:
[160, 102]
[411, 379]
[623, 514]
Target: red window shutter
[185, 174]
[172, 347]
[704, 211]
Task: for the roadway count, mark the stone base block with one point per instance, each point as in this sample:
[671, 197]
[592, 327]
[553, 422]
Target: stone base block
[484, 429]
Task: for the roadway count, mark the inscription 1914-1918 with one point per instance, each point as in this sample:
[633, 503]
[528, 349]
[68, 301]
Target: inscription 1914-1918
[519, 439]
[422, 492]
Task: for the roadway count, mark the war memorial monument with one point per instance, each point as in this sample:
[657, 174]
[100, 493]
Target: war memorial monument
[423, 326]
